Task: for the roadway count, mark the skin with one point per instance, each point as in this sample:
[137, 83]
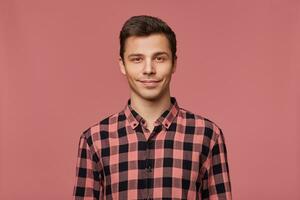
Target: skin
[148, 57]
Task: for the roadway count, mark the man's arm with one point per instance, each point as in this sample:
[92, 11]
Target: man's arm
[88, 185]
[216, 180]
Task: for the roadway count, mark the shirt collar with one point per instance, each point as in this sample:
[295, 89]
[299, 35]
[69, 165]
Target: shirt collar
[165, 119]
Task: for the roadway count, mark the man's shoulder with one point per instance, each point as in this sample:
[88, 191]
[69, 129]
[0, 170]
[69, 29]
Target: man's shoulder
[199, 120]
[103, 124]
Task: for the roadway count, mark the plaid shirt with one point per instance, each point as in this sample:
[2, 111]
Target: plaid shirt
[184, 157]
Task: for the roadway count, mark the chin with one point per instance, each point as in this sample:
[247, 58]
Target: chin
[151, 97]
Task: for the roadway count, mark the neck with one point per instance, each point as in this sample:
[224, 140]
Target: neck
[150, 109]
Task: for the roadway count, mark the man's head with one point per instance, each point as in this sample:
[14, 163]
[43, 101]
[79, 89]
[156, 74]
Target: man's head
[144, 25]
[147, 57]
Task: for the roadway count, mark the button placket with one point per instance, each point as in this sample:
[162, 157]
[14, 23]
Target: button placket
[148, 163]
[148, 167]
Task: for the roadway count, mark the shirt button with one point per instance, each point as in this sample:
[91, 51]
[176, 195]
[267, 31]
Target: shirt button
[149, 169]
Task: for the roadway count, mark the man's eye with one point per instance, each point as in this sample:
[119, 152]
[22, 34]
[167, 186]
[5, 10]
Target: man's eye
[137, 59]
[160, 59]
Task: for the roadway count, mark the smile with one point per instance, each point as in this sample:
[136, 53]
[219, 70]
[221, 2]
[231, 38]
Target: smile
[150, 83]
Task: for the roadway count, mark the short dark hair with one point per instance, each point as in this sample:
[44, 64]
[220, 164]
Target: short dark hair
[144, 25]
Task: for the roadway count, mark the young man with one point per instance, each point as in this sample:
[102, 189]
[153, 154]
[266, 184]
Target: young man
[152, 149]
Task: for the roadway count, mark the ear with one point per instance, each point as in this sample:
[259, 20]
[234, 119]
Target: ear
[174, 66]
[122, 66]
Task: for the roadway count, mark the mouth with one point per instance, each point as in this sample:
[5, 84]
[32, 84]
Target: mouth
[149, 80]
[150, 83]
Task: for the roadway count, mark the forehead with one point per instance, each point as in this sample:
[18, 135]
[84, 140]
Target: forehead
[147, 44]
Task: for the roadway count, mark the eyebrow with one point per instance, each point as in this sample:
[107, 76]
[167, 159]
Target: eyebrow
[155, 54]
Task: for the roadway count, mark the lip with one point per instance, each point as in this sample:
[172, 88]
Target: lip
[150, 83]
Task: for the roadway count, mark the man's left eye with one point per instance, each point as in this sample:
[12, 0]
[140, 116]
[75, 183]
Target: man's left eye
[159, 59]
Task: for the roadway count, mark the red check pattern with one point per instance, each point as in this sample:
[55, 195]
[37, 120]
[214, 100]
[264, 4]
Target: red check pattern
[184, 157]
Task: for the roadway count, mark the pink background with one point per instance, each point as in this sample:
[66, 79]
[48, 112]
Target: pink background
[239, 60]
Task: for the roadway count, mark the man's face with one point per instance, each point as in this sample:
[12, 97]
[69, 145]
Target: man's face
[148, 65]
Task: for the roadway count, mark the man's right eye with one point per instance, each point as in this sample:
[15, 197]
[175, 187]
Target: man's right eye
[136, 60]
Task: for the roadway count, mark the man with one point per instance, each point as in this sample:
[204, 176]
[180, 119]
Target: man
[152, 149]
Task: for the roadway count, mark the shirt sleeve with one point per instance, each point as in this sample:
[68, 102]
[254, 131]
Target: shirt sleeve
[88, 184]
[216, 183]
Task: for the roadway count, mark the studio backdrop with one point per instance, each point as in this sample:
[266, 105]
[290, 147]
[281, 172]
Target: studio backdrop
[238, 65]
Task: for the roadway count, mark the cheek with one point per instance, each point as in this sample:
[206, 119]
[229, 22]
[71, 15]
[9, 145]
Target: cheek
[133, 70]
[130, 71]
[164, 68]
[132, 75]
[165, 72]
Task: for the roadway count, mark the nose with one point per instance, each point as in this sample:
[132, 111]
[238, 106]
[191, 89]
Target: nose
[149, 67]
